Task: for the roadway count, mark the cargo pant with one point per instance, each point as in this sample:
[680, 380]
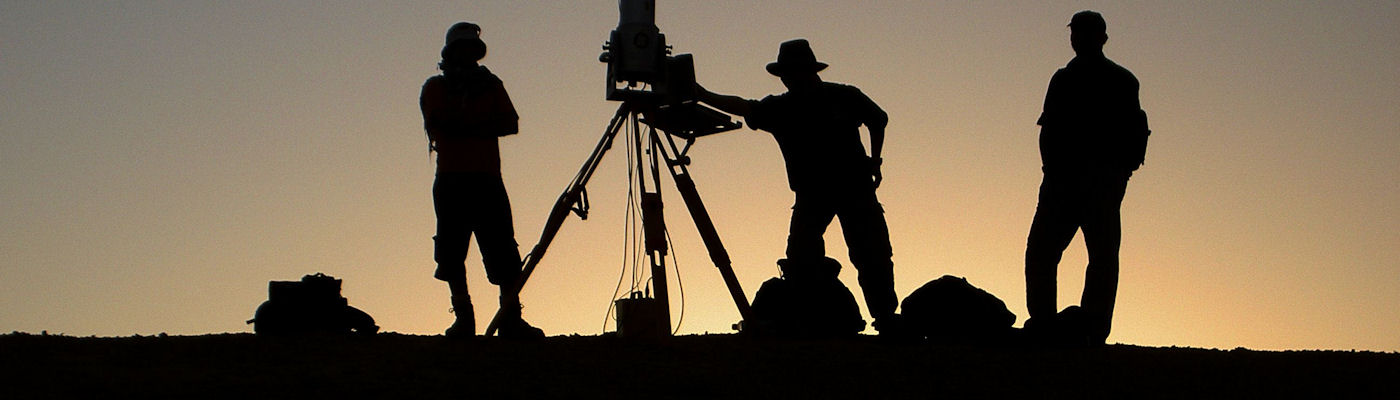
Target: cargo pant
[867, 239]
[474, 203]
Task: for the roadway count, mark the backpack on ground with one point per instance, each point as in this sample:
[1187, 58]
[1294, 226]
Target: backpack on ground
[311, 305]
[951, 310]
[808, 301]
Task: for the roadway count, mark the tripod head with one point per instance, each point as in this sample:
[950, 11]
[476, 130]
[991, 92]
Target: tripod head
[643, 74]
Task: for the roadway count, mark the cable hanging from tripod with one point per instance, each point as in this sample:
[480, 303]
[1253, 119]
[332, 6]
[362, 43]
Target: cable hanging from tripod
[639, 280]
[632, 245]
[628, 251]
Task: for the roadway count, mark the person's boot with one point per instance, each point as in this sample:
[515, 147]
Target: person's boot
[1040, 331]
[893, 328]
[519, 329]
[465, 325]
[512, 326]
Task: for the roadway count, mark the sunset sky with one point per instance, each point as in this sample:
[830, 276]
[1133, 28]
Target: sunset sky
[161, 161]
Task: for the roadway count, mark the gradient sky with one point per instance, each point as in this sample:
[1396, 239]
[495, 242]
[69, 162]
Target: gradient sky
[161, 161]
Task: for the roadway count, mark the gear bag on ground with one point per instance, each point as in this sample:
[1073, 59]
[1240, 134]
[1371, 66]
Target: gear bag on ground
[950, 310]
[311, 305]
[808, 301]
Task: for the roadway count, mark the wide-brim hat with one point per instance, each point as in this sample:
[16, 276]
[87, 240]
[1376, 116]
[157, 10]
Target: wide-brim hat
[467, 36]
[795, 56]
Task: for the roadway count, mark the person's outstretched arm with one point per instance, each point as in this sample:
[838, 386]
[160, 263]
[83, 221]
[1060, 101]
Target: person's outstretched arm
[731, 104]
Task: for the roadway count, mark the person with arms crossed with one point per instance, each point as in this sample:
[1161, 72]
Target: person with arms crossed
[465, 111]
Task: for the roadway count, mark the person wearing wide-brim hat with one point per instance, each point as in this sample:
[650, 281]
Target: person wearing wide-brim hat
[795, 57]
[465, 111]
[817, 126]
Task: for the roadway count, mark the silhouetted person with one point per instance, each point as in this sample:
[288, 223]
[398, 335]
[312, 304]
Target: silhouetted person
[1093, 136]
[465, 110]
[817, 126]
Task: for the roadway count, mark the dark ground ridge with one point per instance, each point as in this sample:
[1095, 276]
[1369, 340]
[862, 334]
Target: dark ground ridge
[683, 367]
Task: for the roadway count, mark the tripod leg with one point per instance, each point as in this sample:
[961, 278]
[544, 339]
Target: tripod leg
[564, 205]
[686, 186]
[654, 229]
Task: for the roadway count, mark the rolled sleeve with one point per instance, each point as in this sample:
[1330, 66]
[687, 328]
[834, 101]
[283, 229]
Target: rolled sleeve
[761, 113]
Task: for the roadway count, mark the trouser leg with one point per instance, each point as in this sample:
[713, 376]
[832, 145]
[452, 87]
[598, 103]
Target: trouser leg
[1102, 237]
[495, 234]
[1052, 229]
[450, 250]
[809, 222]
[453, 230]
[868, 241]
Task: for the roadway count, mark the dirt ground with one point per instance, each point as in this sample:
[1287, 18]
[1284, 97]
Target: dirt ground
[687, 367]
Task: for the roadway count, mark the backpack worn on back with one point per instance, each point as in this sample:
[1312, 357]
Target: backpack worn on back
[311, 305]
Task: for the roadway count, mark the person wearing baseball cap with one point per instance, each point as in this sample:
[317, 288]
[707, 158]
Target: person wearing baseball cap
[1093, 135]
[465, 112]
[817, 127]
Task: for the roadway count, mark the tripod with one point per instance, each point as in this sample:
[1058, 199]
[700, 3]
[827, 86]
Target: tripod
[664, 123]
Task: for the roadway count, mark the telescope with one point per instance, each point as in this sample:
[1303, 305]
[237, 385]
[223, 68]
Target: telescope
[642, 71]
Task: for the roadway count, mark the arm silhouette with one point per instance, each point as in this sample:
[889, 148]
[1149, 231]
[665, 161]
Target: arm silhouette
[731, 104]
[877, 144]
[875, 121]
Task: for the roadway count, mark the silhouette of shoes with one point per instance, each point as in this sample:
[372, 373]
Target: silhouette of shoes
[521, 330]
[893, 327]
[1067, 329]
[1040, 331]
[461, 329]
[465, 325]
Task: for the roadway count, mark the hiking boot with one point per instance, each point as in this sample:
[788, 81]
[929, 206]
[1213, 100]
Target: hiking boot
[1067, 329]
[1040, 331]
[520, 330]
[465, 325]
[893, 327]
[512, 326]
[460, 330]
